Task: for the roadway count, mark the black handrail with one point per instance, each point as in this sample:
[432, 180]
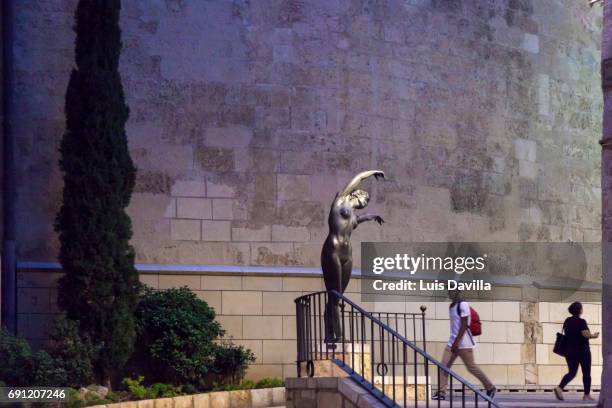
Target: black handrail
[388, 353]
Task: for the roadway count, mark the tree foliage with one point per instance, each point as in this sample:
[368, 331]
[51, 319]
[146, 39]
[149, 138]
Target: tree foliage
[100, 286]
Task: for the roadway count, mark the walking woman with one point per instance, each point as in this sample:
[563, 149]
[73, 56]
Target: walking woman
[577, 335]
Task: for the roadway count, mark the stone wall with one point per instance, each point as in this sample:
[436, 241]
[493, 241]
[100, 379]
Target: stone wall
[328, 392]
[258, 312]
[247, 117]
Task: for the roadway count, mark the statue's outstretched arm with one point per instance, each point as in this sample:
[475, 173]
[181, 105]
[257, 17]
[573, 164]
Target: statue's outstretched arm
[354, 183]
[363, 218]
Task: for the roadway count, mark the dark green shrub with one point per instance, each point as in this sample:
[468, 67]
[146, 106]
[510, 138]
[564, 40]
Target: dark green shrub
[70, 354]
[16, 367]
[270, 383]
[48, 371]
[66, 361]
[248, 385]
[21, 367]
[135, 387]
[231, 362]
[156, 390]
[76, 400]
[176, 333]
[176, 342]
[100, 281]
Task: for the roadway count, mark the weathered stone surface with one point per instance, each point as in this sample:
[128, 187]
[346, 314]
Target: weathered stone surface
[255, 233]
[222, 209]
[152, 182]
[240, 399]
[215, 159]
[148, 404]
[220, 399]
[185, 230]
[201, 401]
[261, 398]
[278, 396]
[279, 118]
[196, 208]
[329, 399]
[164, 403]
[216, 230]
[189, 189]
[185, 401]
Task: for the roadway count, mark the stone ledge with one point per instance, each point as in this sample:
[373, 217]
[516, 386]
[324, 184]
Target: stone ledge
[327, 392]
[255, 398]
[306, 271]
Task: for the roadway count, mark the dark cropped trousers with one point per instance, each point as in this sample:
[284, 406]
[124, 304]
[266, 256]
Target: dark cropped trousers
[582, 358]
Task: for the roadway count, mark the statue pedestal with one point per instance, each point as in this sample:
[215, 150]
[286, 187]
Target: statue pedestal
[351, 354]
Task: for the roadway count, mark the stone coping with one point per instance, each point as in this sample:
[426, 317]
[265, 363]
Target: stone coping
[197, 269]
[247, 270]
[255, 398]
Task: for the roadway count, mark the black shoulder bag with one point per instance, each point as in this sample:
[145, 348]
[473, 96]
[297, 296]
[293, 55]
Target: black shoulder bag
[560, 345]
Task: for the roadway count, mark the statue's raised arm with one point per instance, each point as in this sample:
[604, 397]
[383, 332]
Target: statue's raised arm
[358, 179]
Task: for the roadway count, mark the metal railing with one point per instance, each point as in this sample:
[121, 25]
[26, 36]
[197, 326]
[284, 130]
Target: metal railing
[381, 352]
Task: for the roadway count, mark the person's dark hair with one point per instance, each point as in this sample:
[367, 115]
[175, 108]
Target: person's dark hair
[575, 308]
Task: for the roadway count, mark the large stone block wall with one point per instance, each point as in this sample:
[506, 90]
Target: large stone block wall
[247, 117]
[258, 312]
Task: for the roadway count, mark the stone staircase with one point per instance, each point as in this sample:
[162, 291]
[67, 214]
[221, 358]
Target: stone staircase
[353, 355]
[384, 361]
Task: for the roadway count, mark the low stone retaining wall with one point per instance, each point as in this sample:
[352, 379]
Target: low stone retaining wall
[324, 392]
[259, 398]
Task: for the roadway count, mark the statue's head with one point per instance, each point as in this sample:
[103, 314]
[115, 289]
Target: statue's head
[359, 199]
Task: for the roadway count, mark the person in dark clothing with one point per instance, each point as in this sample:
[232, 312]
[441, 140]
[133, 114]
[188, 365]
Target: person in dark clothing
[577, 335]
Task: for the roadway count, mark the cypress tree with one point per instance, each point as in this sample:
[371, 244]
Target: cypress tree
[100, 285]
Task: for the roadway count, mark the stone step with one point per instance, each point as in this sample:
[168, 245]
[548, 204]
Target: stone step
[400, 387]
[520, 400]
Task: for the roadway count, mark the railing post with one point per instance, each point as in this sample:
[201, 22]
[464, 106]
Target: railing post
[342, 330]
[423, 309]
[299, 336]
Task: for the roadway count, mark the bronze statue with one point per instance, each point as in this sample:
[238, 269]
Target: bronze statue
[337, 254]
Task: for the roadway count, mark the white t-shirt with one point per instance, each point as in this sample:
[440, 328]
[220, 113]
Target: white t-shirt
[467, 341]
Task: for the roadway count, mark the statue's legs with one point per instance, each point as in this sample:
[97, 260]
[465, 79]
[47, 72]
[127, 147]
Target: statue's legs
[333, 278]
[333, 329]
[347, 269]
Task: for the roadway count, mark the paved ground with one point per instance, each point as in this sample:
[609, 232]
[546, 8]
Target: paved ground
[544, 400]
[526, 400]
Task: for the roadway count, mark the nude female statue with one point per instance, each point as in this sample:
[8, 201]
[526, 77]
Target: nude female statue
[337, 254]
